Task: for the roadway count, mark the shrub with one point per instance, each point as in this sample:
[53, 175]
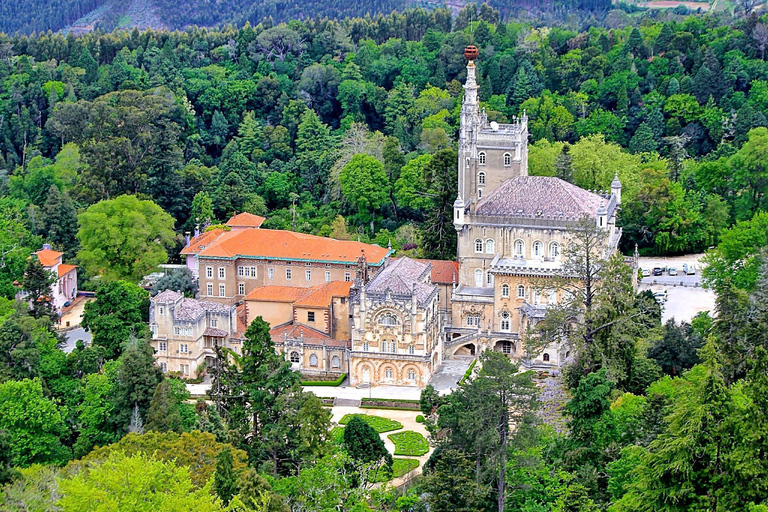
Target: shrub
[419, 418]
[399, 468]
[336, 382]
[409, 443]
[378, 423]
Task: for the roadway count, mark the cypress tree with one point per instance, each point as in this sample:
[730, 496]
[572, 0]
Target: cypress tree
[164, 415]
[37, 283]
[225, 478]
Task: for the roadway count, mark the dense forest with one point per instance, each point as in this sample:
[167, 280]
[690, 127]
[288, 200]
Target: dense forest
[56, 15]
[113, 145]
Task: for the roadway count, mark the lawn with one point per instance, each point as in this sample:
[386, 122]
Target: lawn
[378, 423]
[409, 443]
[399, 468]
[337, 435]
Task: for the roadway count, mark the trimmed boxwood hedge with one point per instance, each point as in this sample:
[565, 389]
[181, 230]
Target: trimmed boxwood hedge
[336, 382]
[378, 423]
[468, 372]
[399, 468]
[409, 443]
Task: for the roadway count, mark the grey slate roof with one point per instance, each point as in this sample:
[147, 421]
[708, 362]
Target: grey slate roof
[189, 309]
[401, 277]
[540, 196]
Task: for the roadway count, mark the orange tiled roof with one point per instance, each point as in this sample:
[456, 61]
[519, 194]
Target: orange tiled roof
[48, 258]
[444, 271]
[277, 293]
[310, 335]
[65, 269]
[202, 241]
[321, 296]
[288, 245]
[246, 220]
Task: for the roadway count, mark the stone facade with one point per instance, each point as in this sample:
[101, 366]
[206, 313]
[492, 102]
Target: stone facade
[511, 229]
[396, 326]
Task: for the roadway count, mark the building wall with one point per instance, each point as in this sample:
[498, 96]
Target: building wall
[321, 322]
[274, 313]
[340, 329]
[324, 355]
[279, 276]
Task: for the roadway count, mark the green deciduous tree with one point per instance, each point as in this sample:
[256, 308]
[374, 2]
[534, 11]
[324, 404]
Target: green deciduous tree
[124, 238]
[365, 184]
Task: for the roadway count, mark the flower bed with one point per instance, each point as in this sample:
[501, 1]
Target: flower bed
[409, 443]
[335, 382]
[390, 403]
[378, 423]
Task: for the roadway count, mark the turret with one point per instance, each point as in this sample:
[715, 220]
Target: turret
[458, 213]
[616, 188]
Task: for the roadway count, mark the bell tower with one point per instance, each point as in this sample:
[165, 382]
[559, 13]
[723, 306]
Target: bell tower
[470, 124]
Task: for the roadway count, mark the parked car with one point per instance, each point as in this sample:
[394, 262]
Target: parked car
[672, 271]
[661, 297]
[689, 270]
[645, 272]
[657, 271]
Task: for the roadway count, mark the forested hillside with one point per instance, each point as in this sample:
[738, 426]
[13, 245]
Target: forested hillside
[113, 145]
[40, 16]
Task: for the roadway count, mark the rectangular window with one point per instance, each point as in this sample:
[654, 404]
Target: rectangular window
[347, 276]
[214, 322]
[184, 369]
[162, 346]
[161, 310]
[183, 348]
[365, 346]
[253, 271]
[308, 275]
[327, 276]
[164, 367]
[241, 288]
[271, 273]
[222, 272]
[177, 330]
[209, 289]
[473, 320]
[288, 274]
[209, 272]
[221, 291]
[310, 316]
[241, 271]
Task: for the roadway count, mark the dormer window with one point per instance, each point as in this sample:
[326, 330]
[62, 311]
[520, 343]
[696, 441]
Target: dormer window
[481, 158]
[481, 178]
[507, 159]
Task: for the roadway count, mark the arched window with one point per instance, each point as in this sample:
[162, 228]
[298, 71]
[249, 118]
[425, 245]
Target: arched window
[478, 245]
[478, 277]
[546, 356]
[507, 159]
[388, 374]
[481, 178]
[473, 320]
[554, 250]
[538, 249]
[384, 346]
[295, 357]
[388, 319]
[481, 158]
[313, 360]
[519, 248]
[505, 323]
[505, 290]
[411, 375]
[490, 246]
[335, 362]
[521, 292]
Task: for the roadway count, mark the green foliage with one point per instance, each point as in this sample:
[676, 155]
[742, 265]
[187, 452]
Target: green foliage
[468, 373]
[419, 418]
[180, 280]
[163, 414]
[330, 383]
[409, 443]
[37, 283]
[193, 449]
[34, 424]
[225, 479]
[16, 242]
[130, 482]
[378, 423]
[136, 380]
[124, 238]
[120, 310]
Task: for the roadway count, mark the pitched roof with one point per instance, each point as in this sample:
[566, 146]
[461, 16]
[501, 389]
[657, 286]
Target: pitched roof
[48, 258]
[64, 269]
[189, 309]
[202, 241]
[288, 245]
[301, 331]
[540, 196]
[246, 220]
[321, 296]
[401, 277]
[277, 293]
[444, 271]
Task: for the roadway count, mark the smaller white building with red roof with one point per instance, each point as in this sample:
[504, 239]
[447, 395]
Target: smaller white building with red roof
[64, 288]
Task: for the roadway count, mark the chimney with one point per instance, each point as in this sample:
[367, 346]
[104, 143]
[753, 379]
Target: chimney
[186, 235]
[46, 247]
[197, 229]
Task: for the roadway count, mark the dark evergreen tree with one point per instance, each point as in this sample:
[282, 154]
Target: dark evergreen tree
[137, 378]
[225, 478]
[37, 284]
[163, 415]
[59, 222]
